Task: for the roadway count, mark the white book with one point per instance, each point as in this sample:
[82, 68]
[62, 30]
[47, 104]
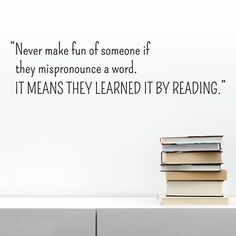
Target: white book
[186, 147]
[194, 188]
[194, 167]
[194, 200]
[192, 139]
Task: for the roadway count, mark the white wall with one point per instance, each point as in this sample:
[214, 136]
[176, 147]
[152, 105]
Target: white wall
[109, 145]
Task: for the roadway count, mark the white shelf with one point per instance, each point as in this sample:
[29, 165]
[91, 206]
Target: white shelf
[94, 203]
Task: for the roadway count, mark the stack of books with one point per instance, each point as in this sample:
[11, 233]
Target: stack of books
[193, 170]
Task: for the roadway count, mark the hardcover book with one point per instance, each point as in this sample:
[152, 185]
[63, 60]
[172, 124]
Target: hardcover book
[206, 175]
[188, 147]
[194, 188]
[191, 158]
[195, 200]
[193, 167]
[192, 139]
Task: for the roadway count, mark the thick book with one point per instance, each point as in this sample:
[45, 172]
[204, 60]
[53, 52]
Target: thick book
[192, 139]
[194, 188]
[194, 167]
[195, 200]
[191, 158]
[186, 147]
[206, 175]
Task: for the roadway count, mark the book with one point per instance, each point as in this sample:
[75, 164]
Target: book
[192, 139]
[193, 167]
[191, 158]
[207, 175]
[195, 200]
[186, 147]
[194, 188]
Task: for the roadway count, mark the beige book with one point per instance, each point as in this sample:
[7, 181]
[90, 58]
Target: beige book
[195, 200]
[191, 158]
[205, 175]
[194, 189]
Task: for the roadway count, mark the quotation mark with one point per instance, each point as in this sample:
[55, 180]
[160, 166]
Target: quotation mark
[12, 42]
[223, 82]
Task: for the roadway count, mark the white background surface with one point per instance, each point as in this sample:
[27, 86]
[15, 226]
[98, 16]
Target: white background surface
[109, 146]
